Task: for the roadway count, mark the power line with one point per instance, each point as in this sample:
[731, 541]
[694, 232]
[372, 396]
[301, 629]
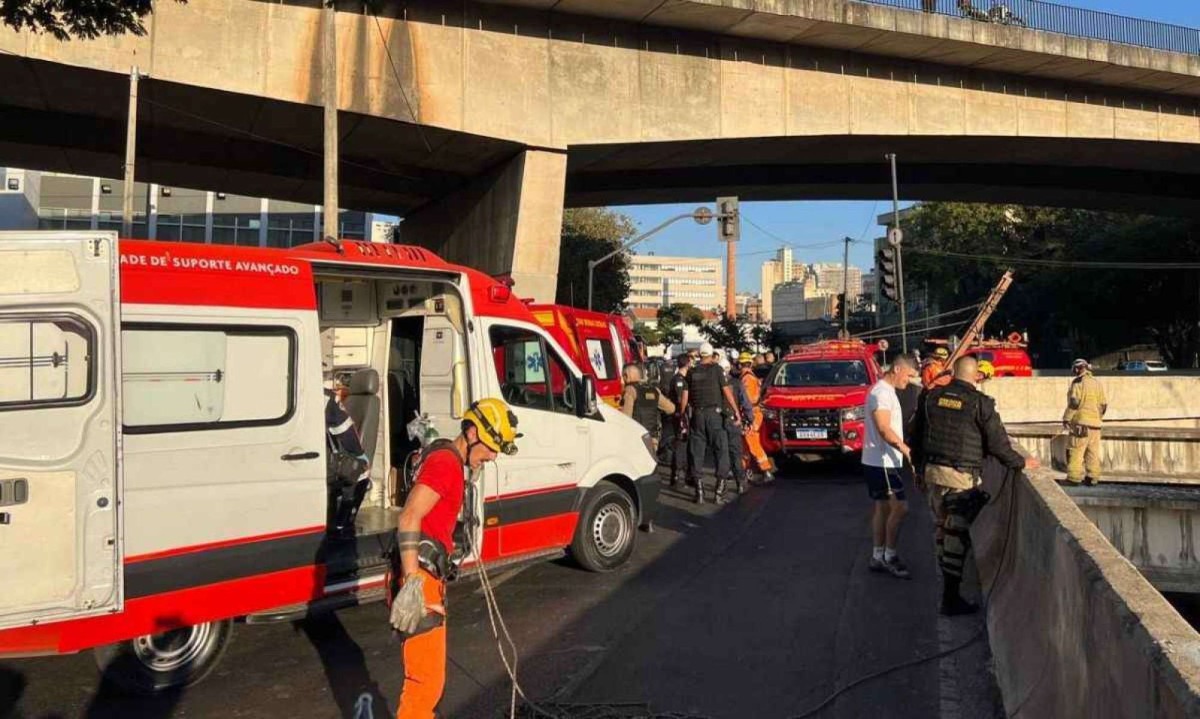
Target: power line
[1067, 264]
[873, 219]
[926, 320]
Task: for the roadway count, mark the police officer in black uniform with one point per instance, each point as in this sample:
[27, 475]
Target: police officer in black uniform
[672, 450]
[644, 402]
[710, 398]
[956, 427]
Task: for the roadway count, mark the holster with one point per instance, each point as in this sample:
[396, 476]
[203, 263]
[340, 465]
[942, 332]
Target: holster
[1078, 430]
[967, 503]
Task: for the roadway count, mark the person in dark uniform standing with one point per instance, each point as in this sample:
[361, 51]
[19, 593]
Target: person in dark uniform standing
[956, 428]
[672, 447]
[642, 401]
[736, 431]
[709, 396]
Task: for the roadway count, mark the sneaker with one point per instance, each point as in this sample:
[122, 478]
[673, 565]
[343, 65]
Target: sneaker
[957, 607]
[896, 567]
[876, 565]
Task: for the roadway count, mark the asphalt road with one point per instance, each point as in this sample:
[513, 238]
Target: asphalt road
[761, 608]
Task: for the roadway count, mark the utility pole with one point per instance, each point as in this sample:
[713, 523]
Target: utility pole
[329, 90]
[846, 287]
[895, 238]
[729, 232]
[130, 156]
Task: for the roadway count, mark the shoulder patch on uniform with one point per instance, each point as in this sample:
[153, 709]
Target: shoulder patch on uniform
[950, 402]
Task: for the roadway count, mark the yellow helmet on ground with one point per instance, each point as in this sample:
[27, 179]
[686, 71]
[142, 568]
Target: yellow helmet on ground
[986, 369]
[941, 353]
[745, 358]
[495, 424]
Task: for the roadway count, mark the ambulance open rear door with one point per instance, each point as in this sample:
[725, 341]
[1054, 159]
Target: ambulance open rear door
[60, 485]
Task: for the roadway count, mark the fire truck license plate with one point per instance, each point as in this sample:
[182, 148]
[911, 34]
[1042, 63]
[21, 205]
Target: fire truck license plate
[812, 434]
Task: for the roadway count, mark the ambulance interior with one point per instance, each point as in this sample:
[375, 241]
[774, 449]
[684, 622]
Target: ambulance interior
[395, 350]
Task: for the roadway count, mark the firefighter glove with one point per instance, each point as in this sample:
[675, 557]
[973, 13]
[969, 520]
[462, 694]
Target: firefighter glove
[408, 608]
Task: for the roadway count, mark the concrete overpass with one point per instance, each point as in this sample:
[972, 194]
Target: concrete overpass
[478, 121]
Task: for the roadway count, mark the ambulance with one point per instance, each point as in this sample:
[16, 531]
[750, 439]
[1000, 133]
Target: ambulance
[163, 471]
[601, 344]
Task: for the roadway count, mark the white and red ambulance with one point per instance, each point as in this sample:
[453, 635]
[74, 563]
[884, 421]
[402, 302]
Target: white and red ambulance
[163, 444]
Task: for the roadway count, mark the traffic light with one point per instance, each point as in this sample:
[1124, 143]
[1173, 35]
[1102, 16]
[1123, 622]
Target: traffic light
[728, 220]
[889, 286]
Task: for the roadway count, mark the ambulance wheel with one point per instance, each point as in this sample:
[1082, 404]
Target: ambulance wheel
[607, 529]
[171, 660]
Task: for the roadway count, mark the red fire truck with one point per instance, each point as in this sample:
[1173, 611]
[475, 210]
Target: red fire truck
[164, 464]
[1010, 356]
[601, 344]
[814, 398]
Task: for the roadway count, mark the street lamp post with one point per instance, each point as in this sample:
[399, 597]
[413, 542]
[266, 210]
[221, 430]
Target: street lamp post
[702, 215]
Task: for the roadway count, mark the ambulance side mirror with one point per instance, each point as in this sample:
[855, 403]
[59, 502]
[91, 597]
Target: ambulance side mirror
[587, 407]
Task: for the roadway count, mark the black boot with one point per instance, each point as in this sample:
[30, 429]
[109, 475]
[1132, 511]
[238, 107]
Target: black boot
[741, 485]
[699, 491]
[767, 477]
[720, 493]
[953, 604]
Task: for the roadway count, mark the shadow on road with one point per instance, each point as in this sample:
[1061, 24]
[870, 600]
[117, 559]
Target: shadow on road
[345, 666]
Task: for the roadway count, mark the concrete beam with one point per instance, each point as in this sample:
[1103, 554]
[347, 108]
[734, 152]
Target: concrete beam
[508, 222]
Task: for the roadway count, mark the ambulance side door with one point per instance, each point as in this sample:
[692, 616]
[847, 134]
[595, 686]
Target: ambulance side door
[60, 484]
[537, 486]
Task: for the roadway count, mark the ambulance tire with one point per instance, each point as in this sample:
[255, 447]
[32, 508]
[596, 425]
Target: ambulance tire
[607, 529]
[162, 662]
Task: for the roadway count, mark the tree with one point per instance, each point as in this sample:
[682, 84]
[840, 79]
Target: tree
[760, 335]
[65, 19]
[1068, 311]
[726, 333]
[673, 317]
[652, 336]
[589, 233]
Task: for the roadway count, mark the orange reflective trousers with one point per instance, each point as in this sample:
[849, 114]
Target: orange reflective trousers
[424, 662]
[751, 439]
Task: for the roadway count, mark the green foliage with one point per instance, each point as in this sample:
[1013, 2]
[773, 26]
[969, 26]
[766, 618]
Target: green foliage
[726, 333]
[1067, 311]
[589, 233]
[652, 336]
[89, 19]
[673, 317]
[760, 337]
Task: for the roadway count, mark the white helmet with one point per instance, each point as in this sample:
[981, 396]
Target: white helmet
[706, 350]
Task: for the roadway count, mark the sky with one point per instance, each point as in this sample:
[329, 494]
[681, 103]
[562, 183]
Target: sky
[805, 223]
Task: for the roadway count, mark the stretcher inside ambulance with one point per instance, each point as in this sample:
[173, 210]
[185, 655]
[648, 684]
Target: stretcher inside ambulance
[165, 470]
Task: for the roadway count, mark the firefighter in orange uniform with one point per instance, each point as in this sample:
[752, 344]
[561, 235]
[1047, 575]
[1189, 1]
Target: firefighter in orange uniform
[935, 373]
[751, 438]
[425, 540]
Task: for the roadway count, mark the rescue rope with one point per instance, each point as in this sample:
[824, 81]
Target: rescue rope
[980, 634]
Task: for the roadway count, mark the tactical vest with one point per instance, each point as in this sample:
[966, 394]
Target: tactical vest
[645, 407]
[953, 437]
[704, 386]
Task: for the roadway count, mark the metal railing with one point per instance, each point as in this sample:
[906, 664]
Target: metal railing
[1062, 19]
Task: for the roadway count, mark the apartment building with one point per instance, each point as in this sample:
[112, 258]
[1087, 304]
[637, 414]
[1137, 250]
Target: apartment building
[658, 280]
[30, 199]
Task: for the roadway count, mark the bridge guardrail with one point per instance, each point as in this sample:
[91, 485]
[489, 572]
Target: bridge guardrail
[1062, 19]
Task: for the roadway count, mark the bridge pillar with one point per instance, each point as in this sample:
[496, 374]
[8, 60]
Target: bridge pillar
[506, 222]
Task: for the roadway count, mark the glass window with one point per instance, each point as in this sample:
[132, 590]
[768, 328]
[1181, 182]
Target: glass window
[600, 356]
[822, 373]
[531, 373]
[45, 360]
[179, 378]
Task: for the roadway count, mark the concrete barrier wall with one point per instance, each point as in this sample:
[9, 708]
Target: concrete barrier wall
[1147, 397]
[1075, 629]
[1163, 455]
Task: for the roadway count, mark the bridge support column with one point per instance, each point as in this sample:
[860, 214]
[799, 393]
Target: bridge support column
[507, 222]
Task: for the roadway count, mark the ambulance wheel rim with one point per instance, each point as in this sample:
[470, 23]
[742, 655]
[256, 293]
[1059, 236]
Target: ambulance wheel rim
[611, 529]
[175, 649]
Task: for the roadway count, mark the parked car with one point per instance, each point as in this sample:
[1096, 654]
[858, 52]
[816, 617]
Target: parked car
[1143, 366]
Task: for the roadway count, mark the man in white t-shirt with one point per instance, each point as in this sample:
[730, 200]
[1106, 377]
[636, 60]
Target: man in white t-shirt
[883, 456]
